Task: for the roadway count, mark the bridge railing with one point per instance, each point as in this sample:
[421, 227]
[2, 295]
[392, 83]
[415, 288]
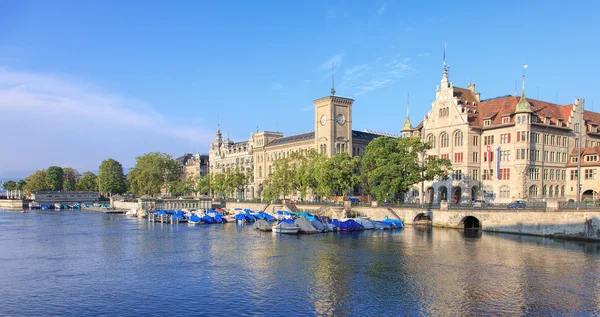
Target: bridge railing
[529, 205]
[566, 205]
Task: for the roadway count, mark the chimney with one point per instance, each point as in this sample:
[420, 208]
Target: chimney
[471, 87]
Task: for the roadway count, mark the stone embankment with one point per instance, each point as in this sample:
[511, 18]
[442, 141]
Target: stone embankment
[556, 223]
[12, 204]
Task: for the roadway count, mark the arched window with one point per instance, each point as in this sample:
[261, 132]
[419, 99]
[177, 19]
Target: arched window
[504, 192]
[556, 191]
[431, 140]
[444, 140]
[551, 191]
[533, 191]
[544, 191]
[458, 138]
[562, 191]
[260, 171]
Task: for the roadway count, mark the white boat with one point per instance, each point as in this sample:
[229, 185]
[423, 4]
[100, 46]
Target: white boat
[366, 223]
[142, 213]
[131, 213]
[285, 228]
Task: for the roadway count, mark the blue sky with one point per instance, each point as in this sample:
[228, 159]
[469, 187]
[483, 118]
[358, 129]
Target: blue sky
[81, 81]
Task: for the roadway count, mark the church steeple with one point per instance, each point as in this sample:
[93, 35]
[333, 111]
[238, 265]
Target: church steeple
[523, 105]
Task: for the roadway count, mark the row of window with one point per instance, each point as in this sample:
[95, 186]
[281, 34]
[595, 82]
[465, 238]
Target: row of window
[588, 174]
[547, 191]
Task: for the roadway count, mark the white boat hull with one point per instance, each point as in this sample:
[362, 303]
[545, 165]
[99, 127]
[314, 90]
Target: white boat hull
[286, 230]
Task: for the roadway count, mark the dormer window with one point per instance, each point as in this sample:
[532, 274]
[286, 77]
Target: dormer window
[591, 158]
[506, 120]
[487, 122]
[574, 159]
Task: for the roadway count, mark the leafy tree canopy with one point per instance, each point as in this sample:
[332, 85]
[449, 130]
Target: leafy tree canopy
[111, 179]
[55, 177]
[70, 177]
[36, 182]
[9, 185]
[152, 172]
[391, 166]
[88, 182]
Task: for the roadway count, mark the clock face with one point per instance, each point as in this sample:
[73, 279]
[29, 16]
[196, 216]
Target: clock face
[323, 120]
[340, 119]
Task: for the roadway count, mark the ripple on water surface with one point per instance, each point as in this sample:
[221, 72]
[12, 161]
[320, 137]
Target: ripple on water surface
[88, 264]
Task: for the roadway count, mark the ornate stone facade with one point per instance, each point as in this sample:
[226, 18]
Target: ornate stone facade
[501, 149]
[333, 134]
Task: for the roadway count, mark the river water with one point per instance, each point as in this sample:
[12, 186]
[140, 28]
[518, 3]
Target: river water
[71, 263]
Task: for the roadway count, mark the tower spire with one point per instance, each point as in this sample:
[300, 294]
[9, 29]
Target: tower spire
[523, 105]
[445, 65]
[332, 79]
[407, 124]
[444, 83]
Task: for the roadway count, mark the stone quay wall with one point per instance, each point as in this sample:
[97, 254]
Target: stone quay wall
[566, 224]
[12, 204]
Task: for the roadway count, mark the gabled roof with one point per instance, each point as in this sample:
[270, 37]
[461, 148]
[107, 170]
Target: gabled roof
[465, 95]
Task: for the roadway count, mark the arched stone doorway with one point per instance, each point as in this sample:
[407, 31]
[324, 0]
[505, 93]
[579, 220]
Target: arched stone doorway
[456, 194]
[442, 193]
[430, 193]
[474, 192]
[587, 195]
[470, 222]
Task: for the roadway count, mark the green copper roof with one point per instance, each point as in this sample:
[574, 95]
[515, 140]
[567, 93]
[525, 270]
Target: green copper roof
[407, 125]
[523, 105]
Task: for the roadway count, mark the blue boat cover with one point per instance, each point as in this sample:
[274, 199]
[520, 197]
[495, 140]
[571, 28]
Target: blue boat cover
[290, 221]
[208, 219]
[194, 218]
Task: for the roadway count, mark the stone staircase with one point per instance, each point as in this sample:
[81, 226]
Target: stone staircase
[391, 211]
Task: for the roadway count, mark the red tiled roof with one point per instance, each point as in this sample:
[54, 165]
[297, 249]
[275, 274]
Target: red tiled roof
[584, 151]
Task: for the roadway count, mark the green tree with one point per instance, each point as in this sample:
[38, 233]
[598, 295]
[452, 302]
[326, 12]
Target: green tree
[391, 166]
[21, 184]
[111, 179]
[182, 187]
[280, 181]
[88, 182]
[9, 185]
[70, 177]
[337, 175]
[219, 184]
[152, 172]
[204, 185]
[36, 182]
[235, 180]
[54, 178]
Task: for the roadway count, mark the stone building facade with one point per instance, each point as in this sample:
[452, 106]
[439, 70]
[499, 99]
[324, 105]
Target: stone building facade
[588, 172]
[193, 165]
[501, 149]
[333, 134]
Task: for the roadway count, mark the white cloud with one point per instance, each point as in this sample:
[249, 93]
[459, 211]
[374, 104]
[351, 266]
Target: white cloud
[277, 86]
[423, 54]
[382, 9]
[363, 78]
[73, 123]
[335, 60]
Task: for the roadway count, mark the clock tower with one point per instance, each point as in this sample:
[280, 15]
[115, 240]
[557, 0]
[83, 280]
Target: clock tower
[333, 124]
